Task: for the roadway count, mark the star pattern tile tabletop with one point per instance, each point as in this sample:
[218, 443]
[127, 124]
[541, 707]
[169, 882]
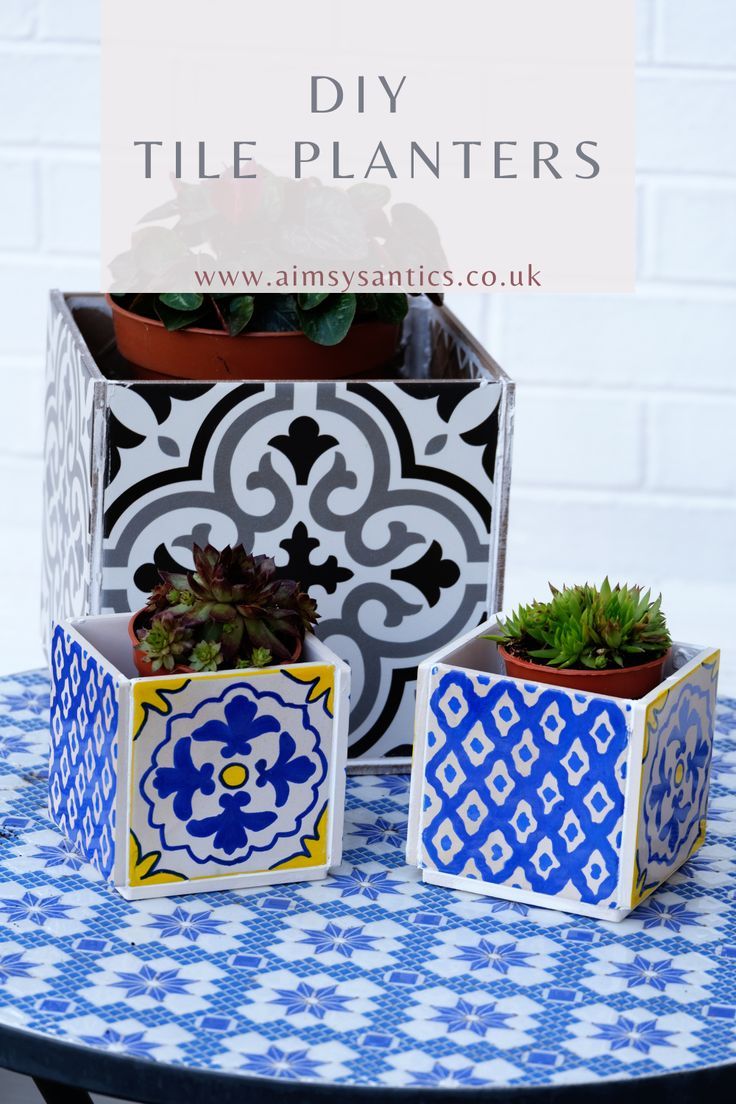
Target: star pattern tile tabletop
[369, 977]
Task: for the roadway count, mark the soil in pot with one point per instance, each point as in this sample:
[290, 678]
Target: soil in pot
[369, 348]
[619, 682]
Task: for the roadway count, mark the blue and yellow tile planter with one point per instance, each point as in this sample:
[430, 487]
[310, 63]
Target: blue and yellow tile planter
[178, 783]
[548, 796]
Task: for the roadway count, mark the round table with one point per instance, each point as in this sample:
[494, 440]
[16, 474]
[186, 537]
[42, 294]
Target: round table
[365, 986]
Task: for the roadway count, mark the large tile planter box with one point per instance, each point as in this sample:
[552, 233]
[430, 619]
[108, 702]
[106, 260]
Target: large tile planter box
[552, 797]
[185, 783]
[388, 498]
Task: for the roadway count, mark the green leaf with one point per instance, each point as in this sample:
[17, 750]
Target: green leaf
[177, 319]
[276, 313]
[241, 312]
[589, 627]
[182, 301]
[329, 323]
[367, 303]
[308, 300]
[391, 307]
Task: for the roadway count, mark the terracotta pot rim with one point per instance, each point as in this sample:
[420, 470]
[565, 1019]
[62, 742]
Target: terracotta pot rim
[131, 624]
[584, 671]
[141, 320]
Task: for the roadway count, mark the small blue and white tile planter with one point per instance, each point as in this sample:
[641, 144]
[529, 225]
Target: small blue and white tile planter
[553, 797]
[179, 783]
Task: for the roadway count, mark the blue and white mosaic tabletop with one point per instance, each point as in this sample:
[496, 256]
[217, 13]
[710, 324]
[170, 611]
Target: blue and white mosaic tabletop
[368, 977]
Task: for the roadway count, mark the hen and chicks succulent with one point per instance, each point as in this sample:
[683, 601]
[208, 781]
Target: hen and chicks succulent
[588, 627]
[231, 611]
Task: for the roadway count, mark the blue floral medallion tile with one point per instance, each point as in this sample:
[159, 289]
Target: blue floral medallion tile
[239, 780]
[230, 776]
[675, 775]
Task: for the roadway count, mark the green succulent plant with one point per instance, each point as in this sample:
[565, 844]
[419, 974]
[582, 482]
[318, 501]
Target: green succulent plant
[206, 656]
[232, 610]
[166, 643]
[259, 657]
[323, 317]
[588, 627]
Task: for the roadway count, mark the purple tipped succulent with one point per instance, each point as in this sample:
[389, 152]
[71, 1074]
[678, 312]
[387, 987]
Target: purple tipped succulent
[232, 610]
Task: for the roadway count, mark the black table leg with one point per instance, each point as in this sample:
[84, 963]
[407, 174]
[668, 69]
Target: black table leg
[54, 1093]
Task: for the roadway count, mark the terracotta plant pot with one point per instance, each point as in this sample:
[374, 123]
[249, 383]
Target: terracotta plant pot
[200, 354]
[621, 682]
[143, 665]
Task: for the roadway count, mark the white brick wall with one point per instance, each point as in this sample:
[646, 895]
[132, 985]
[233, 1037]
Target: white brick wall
[693, 233]
[581, 449]
[19, 210]
[70, 20]
[685, 119]
[676, 419]
[702, 33]
[625, 456]
[17, 19]
[70, 213]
